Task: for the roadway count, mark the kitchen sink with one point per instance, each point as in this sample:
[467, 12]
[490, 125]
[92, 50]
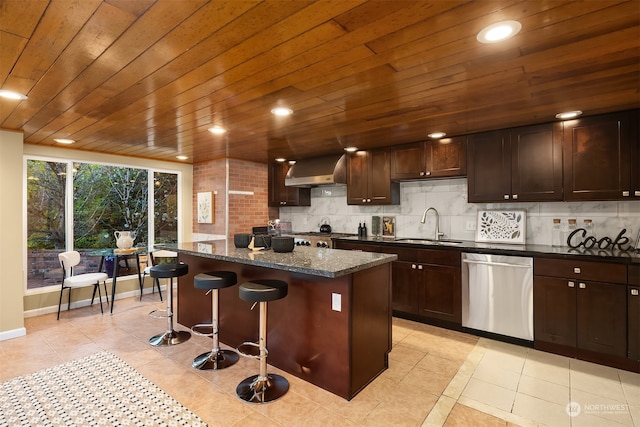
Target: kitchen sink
[429, 242]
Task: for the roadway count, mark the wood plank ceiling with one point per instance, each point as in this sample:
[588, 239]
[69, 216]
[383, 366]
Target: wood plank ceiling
[147, 78]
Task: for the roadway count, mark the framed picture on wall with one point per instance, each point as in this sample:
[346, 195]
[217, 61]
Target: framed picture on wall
[388, 226]
[205, 207]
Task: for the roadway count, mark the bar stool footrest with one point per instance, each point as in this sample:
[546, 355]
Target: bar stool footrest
[164, 313]
[195, 330]
[249, 345]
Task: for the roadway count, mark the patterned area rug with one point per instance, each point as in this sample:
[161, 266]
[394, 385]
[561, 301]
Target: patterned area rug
[97, 390]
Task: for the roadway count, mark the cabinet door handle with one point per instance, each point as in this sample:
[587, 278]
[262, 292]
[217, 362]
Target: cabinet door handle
[413, 266]
[422, 174]
[368, 200]
[636, 193]
[428, 173]
[625, 194]
[283, 203]
[582, 285]
[419, 267]
[576, 270]
[506, 197]
[515, 197]
[571, 284]
[364, 200]
[634, 292]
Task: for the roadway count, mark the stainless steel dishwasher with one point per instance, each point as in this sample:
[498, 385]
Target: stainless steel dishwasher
[497, 294]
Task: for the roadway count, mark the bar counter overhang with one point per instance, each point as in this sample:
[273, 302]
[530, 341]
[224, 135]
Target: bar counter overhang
[339, 351]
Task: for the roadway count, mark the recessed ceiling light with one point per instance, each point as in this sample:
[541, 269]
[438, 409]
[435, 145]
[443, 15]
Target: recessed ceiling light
[292, 162]
[499, 31]
[281, 111]
[64, 140]
[436, 135]
[351, 149]
[218, 130]
[568, 115]
[9, 94]
[281, 160]
[181, 157]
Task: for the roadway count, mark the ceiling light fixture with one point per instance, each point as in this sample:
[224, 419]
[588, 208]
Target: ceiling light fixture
[499, 31]
[64, 140]
[9, 94]
[181, 157]
[281, 111]
[218, 130]
[350, 149]
[292, 162]
[281, 159]
[568, 115]
[436, 135]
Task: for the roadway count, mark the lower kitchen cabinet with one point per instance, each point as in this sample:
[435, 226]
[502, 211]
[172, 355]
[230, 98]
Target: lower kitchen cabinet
[426, 284]
[580, 308]
[404, 292]
[633, 313]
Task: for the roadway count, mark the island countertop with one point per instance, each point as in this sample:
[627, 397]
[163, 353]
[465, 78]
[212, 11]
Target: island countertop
[307, 260]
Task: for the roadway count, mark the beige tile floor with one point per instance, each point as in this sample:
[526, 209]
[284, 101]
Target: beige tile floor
[436, 377]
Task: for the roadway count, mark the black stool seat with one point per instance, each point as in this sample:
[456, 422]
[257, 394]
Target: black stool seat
[263, 290]
[264, 387]
[166, 271]
[217, 358]
[215, 280]
[170, 336]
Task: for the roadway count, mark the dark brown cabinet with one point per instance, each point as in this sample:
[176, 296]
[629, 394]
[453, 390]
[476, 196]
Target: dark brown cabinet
[580, 305]
[601, 157]
[430, 159]
[633, 313]
[368, 179]
[426, 283]
[281, 195]
[522, 164]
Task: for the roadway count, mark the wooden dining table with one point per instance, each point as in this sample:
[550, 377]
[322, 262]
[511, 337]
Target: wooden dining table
[118, 255]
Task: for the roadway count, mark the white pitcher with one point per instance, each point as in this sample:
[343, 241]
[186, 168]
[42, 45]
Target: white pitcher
[124, 239]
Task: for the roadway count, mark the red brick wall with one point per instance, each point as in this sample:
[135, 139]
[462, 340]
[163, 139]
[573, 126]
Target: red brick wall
[210, 176]
[245, 210]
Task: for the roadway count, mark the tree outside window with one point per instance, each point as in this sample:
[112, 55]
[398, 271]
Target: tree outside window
[105, 199]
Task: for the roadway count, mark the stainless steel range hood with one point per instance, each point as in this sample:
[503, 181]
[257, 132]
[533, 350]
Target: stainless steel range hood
[323, 170]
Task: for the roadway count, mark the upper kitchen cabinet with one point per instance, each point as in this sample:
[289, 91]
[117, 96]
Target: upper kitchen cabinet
[369, 181]
[443, 158]
[601, 159]
[522, 164]
[281, 195]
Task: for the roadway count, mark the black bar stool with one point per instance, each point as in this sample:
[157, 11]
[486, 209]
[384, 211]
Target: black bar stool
[213, 281]
[171, 336]
[263, 387]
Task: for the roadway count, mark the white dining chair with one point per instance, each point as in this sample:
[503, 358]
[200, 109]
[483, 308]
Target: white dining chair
[68, 260]
[157, 257]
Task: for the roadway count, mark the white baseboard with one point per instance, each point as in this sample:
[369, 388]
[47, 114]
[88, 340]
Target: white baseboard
[14, 333]
[87, 302]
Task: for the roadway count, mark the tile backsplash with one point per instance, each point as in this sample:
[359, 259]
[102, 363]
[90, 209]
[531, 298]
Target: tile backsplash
[449, 197]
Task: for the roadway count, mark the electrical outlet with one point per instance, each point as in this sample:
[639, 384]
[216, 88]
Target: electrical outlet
[336, 302]
[471, 226]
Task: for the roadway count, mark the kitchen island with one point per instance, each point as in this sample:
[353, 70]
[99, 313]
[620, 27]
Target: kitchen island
[333, 329]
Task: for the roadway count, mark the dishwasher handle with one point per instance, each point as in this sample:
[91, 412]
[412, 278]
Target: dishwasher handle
[495, 264]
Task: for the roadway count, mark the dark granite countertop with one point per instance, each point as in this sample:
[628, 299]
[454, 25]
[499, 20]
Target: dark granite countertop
[307, 260]
[613, 255]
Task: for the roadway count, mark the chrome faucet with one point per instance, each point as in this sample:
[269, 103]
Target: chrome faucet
[437, 233]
